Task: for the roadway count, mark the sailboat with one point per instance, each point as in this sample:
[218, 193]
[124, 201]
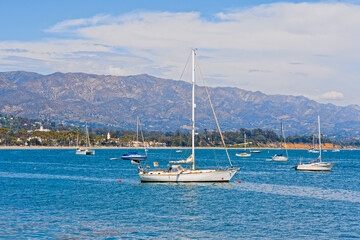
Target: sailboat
[179, 150]
[317, 164]
[86, 150]
[176, 172]
[280, 157]
[255, 151]
[313, 150]
[243, 153]
[135, 157]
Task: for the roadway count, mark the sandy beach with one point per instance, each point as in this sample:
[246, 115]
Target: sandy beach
[289, 146]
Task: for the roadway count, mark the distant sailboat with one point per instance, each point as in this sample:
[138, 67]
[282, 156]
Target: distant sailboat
[179, 150]
[280, 157]
[255, 151]
[135, 157]
[86, 150]
[243, 152]
[313, 150]
[317, 164]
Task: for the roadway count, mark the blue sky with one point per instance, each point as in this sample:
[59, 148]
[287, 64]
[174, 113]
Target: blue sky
[26, 20]
[305, 48]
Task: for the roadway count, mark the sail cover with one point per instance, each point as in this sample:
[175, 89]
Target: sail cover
[190, 159]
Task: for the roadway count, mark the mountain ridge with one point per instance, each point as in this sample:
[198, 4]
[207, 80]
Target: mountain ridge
[163, 104]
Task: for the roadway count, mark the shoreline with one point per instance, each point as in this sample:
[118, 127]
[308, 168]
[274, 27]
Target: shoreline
[112, 147]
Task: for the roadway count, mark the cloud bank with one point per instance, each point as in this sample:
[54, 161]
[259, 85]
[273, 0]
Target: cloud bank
[284, 48]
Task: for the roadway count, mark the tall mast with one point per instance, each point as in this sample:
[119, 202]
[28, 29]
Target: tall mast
[87, 136]
[282, 136]
[137, 130]
[245, 141]
[313, 142]
[193, 108]
[77, 139]
[319, 138]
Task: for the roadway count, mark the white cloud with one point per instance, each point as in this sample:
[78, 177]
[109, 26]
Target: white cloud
[282, 48]
[332, 95]
[73, 24]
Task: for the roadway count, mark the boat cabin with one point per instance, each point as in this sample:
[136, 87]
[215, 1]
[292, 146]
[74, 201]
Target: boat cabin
[175, 168]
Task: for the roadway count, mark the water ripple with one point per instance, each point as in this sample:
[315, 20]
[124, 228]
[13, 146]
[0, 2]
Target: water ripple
[311, 192]
[49, 176]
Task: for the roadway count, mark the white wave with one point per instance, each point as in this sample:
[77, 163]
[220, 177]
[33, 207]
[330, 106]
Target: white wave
[49, 176]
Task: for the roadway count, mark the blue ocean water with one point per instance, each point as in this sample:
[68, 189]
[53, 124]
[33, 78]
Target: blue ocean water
[57, 194]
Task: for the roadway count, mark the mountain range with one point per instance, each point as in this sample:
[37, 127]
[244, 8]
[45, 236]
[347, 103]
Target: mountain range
[164, 104]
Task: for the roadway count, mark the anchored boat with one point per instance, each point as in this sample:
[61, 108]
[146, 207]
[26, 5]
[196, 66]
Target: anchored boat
[281, 157]
[176, 172]
[317, 164]
[243, 152]
[135, 157]
[85, 150]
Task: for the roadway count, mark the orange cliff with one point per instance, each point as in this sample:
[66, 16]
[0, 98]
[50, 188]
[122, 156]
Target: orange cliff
[308, 146]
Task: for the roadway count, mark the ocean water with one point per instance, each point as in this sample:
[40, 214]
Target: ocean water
[55, 194]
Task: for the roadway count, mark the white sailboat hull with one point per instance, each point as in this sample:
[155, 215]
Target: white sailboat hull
[255, 151]
[243, 155]
[313, 151]
[188, 176]
[85, 152]
[279, 158]
[317, 166]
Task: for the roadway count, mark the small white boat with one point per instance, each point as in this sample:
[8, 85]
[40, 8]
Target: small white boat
[336, 150]
[135, 157]
[315, 165]
[313, 149]
[280, 157]
[179, 150]
[85, 150]
[243, 152]
[255, 151]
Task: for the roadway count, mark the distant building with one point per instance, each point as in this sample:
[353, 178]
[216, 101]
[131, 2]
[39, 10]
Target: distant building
[42, 129]
[108, 136]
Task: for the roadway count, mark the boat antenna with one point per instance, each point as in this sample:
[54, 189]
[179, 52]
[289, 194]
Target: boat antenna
[137, 130]
[284, 141]
[319, 138]
[142, 136]
[216, 120]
